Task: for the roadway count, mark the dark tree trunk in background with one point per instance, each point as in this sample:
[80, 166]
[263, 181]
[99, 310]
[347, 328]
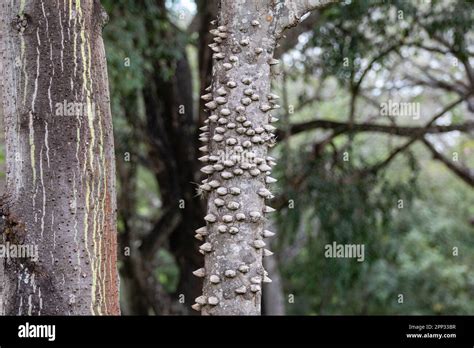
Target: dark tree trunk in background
[133, 299]
[273, 296]
[60, 168]
[171, 132]
[181, 131]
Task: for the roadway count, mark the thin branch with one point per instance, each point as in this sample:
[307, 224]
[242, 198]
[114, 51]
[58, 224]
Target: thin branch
[370, 127]
[290, 39]
[291, 11]
[464, 173]
[160, 232]
[314, 98]
[457, 53]
[433, 82]
[374, 60]
[427, 48]
[377, 167]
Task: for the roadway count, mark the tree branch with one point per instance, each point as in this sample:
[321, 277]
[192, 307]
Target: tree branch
[464, 173]
[291, 38]
[289, 12]
[343, 127]
[160, 232]
[375, 168]
[193, 26]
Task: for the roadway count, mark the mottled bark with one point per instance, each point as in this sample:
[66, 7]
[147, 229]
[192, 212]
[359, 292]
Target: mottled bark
[60, 159]
[2, 165]
[237, 135]
[170, 130]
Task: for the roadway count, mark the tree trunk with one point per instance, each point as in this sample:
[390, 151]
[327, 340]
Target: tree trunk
[207, 11]
[2, 165]
[60, 160]
[273, 295]
[236, 137]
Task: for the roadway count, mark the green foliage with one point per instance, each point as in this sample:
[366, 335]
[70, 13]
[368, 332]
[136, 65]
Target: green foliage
[408, 250]
[360, 213]
[352, 34]
[139, 42]
[348, 34]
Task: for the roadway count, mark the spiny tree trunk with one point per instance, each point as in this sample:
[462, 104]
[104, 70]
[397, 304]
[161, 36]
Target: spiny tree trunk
[237, 135]
[60, 159]
[207, 11]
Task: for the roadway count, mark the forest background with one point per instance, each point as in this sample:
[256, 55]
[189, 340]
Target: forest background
[399, 183]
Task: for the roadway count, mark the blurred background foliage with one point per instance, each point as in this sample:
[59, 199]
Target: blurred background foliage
[337, 181]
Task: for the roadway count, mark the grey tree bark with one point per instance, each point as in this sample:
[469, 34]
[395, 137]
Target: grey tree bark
[60, 197]
[273, 295]
[237, 135]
